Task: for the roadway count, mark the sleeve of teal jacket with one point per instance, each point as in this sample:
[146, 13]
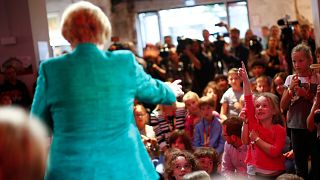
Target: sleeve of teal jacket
[40, 107]
[151, 90]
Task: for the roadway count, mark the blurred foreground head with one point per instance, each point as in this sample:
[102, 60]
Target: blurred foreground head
[23, 146]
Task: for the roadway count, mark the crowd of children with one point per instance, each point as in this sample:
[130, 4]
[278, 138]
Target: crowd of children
[262, 130]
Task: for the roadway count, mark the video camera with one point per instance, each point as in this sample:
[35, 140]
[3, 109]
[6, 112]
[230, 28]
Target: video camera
[287, 30]
[218, 45]
[255, 45]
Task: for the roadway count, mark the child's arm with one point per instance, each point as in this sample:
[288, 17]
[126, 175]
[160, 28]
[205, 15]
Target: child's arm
[310, 119]
[274, 149]
[246, 84]
[224, 111]
[245, 129]
[288, 93]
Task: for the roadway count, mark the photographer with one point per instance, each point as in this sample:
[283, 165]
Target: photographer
[154, 66]
[201, 67]
[274, 58]
[238, 51]
[306, 38]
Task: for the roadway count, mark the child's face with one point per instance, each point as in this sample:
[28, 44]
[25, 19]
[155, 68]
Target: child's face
[181, 167]
[179, 144]
[141, 117]
[206, 111]
[263, 108]
[211, 93]
[206, 164]
[272, 42]
[263, 86]
[222, 84]
[300, 62]
[192, 106]
[318, 58]
[258, 71]
[234, 80]
[278, 82]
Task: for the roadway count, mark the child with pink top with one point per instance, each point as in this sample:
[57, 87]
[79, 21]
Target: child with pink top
[191, 101]
[262, 131]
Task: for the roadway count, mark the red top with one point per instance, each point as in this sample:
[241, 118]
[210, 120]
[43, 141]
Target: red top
[189, 125]
[276, 136]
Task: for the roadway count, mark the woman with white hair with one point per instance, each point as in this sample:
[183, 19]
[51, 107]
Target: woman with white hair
[87, 98]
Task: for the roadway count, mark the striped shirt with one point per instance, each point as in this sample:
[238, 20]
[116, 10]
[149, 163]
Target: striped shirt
[163, 126]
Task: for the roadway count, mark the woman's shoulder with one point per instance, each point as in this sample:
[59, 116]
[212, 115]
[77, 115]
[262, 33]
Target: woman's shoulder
[54, 60]
[119, 53]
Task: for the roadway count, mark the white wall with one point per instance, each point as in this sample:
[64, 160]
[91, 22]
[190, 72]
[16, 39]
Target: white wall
[267, 12]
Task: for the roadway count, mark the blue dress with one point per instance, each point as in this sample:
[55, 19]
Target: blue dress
[86, 97]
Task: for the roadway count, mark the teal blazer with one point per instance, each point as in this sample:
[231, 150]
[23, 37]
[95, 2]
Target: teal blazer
[86, 97]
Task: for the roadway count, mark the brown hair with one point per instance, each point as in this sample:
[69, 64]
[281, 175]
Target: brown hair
[176, 134]
[263, 78]
[207, 152]
[205, 100]
[212, 85]
[283, 76]
[233, 126]
[170, 163]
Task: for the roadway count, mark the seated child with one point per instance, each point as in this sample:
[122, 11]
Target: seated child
[178, 164]
[208, 132]
[191, 101]
[230, 105]
[263, 84]
[208, 160]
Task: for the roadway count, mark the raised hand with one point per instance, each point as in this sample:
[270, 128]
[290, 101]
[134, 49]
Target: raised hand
[242, 73]
[176, 87]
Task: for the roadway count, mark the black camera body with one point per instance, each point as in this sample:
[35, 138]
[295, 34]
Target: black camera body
[183, 43]
[164, 51]
[255, 44]
[218, 45]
